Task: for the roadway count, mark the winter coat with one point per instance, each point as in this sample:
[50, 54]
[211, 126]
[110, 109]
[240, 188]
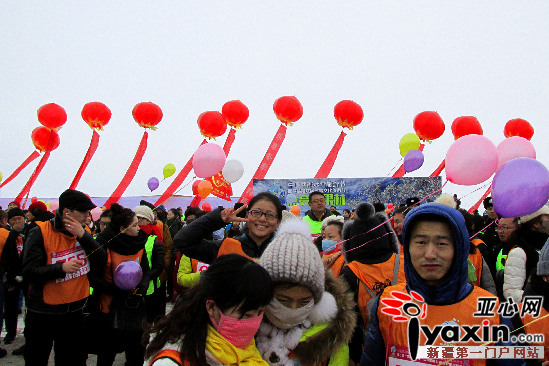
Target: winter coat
[190, 239]
[328, 329]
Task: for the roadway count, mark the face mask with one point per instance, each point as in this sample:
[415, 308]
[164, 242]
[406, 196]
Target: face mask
[328, 245]
[283, 317]
[239, 332]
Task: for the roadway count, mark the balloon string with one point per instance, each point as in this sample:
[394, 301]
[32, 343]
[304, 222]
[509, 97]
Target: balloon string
[472, 192]
[493, 222]
[393, 168]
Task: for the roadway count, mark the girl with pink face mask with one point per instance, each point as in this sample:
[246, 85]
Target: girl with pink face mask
[214, 322]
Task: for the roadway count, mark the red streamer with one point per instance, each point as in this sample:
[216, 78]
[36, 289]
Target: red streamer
[400, 171]
[130, 173]
[178, 180]
[32, 179]
[196, 201]
[476, 205]
[229, 142]
[328, 164]
[265, 163]
[31, 157]
[439, 170]
[91, 150]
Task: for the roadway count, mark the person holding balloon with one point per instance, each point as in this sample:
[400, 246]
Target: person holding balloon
[214, 322]
[121, 287]
[263, 216]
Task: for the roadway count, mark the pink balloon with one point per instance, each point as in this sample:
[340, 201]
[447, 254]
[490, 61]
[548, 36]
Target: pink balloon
[514, 147]
[471, 160]
[54, 205]
[96, 212]
[208, 160]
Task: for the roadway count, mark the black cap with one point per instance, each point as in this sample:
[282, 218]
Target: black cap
[487, 203]
[148, 204]
[16, 211]
[412, 201]
[75, 200]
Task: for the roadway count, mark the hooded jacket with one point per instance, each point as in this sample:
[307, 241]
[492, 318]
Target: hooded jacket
[330, 331]
[454, 289]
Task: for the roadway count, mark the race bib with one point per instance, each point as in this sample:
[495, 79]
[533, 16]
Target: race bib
[19, 245]
[201, 266]
[70, 254]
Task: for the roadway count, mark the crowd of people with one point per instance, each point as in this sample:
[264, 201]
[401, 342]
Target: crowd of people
[257, 285]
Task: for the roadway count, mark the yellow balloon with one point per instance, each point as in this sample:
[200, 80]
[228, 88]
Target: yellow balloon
[48, 204]
[0, 176]
[408, 142]
[168, 170]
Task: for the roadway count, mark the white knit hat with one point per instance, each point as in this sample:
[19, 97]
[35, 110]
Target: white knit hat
[544, 210]
[292, 257]
[144, 212]
[543, 263]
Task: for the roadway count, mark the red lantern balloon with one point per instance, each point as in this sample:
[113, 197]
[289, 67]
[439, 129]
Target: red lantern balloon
[195, 186]
[348, 114]
[466, 125]
[96, 115]
[206, 207]
[147, 114]
[288, 109]
[429, 126]
[45, 139]
[52, 116]
[518, 127]
[235, 113]
[212, 124]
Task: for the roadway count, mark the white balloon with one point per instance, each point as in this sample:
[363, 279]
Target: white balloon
[232, 171]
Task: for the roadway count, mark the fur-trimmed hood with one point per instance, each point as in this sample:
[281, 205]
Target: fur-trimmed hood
[319, 347]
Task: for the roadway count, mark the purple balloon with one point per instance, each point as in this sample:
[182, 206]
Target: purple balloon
[520, 187]
[153, 183]
[127, 275]
[413, 160]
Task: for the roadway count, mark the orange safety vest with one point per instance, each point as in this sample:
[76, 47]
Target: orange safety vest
[171, 354]
[62, 248]
[3, 237]
[375, 277]
[113, 260]
[160, 224]
[231, 246]
[395, 333]
[337, 266]
[538, 327]
[476, 260]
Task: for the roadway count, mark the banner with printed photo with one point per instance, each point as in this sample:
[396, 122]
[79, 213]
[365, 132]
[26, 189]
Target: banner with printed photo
[349, 192]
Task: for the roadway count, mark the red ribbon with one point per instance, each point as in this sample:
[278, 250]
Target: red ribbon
[439, 170]
[91, 150]
[32, 179]
[229, 142]
[31, 157]
[328, 164]
[196, 201]
[400, 171]
[178, 180]
[130, 173]
[476, 205]
[265, 163]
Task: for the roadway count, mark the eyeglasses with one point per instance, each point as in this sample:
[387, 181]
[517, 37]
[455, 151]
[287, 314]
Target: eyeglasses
[505, 228]
[257, 214]
[104, 223]
[319, 200]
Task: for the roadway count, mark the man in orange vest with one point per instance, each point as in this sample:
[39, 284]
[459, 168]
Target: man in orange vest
[436, 246]
[57, 257]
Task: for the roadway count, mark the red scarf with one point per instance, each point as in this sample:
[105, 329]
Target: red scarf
[151, 229]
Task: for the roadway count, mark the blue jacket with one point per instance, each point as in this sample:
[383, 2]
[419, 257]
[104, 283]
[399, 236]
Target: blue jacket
[453, 290]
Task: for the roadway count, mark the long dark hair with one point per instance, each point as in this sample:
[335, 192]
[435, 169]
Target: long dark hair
[231, 280]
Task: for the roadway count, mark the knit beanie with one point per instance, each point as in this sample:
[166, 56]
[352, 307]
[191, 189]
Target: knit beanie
[144, 212]
[543, 263]
[292, 257]
[16, 211]
[544, 210]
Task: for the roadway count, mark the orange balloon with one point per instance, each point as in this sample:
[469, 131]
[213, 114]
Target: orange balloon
[388, 211]
[295, 210]
[204, 189]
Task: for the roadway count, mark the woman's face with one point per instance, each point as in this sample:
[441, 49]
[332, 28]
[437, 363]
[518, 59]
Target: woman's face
[293, 297]
[170, 215]
[262, 227]
[332, 233]
[232, 312]
[133, 228]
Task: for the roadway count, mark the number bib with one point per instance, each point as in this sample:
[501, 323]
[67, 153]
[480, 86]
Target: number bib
[71, 254]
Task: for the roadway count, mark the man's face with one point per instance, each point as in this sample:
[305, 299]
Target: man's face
[346, 214]
[432, 250]
[317, 203]
[11, 205]
[491, 213]
[17, 223]
[398, 222]
[545, 224]
[80, 216]
[505, 228]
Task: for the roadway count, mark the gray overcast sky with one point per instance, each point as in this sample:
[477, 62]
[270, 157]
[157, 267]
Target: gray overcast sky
[487, 59]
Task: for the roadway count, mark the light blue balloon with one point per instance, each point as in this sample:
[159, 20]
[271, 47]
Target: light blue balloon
[290, 198]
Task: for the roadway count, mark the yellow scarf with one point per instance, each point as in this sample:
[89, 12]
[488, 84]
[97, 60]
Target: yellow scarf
[228, 354]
